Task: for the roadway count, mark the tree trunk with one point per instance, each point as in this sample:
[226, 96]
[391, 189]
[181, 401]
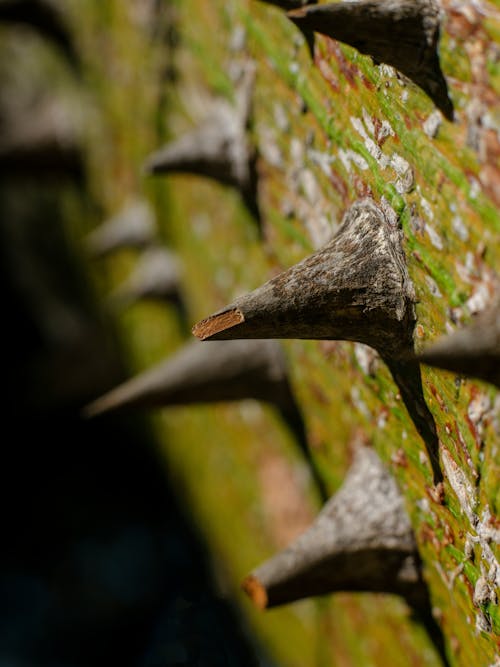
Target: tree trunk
[318, 134]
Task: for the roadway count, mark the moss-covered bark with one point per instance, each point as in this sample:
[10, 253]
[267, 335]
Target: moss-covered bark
[327, 132]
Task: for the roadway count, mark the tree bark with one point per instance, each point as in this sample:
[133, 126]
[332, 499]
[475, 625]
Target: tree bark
[323, 133]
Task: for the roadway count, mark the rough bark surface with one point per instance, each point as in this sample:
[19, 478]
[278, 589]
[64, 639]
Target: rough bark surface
[326, 132]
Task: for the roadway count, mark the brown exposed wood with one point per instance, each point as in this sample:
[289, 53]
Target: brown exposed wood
[255, 591]
[210, 327]
[403, 34]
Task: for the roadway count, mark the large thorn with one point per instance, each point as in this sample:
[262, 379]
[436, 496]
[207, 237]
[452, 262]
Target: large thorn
[156, 277]
[473, 351]
[218, 148]
[212, 373]
[355, 288]
[403, 34]
[46, 16]
[133, 227]
[205, 374]
[362, 541]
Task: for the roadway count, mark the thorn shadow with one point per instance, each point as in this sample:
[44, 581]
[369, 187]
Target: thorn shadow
[407, 375]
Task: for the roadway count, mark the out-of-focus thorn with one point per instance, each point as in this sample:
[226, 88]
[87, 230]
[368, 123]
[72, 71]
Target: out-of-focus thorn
[222, 371]
[156, 277]
[42, 142]
[205, 374]
[218, 148]
[354, 288]
[473, 351]
[402, 34]
[45, 16]
[133, 227]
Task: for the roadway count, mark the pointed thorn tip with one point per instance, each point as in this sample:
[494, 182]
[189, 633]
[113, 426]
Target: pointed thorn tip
[90, 411]
[255, 591]
[106, 403]
[215, 324]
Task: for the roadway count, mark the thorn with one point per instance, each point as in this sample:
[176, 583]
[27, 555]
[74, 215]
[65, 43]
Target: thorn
[255, 591]
[156, 277]
[41, 142]
[213, 373]
[44, 16]
[473, 351]
[218, 148]
[133, 227]
[402, 34]
[362, 540]
[355, 288]
[204, 374]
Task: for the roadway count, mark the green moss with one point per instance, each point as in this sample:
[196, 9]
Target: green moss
[217, 454]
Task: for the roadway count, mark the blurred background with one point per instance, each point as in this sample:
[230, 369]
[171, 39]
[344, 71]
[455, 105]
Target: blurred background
[101, 562]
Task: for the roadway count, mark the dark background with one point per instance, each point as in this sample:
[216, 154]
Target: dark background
[100, 565]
